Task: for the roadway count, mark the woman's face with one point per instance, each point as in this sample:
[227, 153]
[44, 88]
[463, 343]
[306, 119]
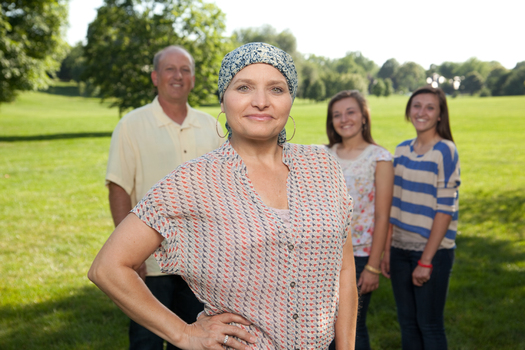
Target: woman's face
[424, 112]
[257, 103]
[347, 118]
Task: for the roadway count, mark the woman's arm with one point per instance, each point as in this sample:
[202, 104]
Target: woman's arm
[114, 272]
[440, 225]
[347, 315]
[385, 261]
[384, 184]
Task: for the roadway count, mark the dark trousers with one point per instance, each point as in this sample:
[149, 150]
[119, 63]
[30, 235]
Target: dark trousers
[420, 310]
[173, 292]
[362, 341]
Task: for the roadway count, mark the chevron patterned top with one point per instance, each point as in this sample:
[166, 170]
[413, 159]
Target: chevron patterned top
[238, 256]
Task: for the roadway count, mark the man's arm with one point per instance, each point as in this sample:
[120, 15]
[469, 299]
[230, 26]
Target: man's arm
[119, 203]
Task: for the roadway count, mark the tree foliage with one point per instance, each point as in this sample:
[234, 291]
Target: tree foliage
[31, 44]
[473, 82]
[72, 67]
[126, 34]
[410, 76]
[284, 40]
[316, 91]
[378, 87]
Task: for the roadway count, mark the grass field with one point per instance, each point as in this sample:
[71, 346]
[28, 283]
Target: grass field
[54, 217]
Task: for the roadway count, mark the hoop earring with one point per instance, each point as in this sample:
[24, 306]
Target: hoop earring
[293, 130]
[217, 126]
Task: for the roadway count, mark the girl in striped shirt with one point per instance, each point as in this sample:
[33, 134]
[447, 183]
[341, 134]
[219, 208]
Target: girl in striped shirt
[420, 252]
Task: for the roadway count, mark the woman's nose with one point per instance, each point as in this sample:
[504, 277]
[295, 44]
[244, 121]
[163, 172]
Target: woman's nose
[260, 99]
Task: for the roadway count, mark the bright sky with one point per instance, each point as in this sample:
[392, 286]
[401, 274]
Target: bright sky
[425, 32]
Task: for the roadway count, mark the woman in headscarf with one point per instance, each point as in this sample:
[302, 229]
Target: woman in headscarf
[258, 228]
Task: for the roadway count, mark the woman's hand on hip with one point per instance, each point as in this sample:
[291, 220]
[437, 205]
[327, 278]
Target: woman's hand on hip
[215, 332]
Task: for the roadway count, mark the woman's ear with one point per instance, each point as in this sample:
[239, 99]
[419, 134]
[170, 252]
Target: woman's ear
[222, 107]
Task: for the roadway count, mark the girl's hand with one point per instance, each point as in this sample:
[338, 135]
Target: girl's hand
[368, 282]
[420, 275]
[385, 264]
[215, 332]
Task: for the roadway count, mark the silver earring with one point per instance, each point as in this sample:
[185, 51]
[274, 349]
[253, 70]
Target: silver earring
[217, 126]
[293, 130]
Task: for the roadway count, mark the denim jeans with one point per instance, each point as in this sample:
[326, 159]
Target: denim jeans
[420, 309]
[173, 292]
[362, 341]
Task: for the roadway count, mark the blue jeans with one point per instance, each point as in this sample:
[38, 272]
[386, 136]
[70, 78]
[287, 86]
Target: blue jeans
[173, 292]
[420, 309]
[362, 341]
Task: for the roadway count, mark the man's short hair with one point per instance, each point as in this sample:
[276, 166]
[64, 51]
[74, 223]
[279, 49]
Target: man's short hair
[158, 56]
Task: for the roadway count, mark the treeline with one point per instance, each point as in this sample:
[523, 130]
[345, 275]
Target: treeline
[116, 61]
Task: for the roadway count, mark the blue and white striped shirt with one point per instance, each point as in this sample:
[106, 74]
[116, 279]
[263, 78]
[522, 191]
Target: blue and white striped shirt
[425, 185]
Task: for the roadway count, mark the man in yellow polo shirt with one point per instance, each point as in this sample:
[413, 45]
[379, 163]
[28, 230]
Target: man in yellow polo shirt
[147, 144]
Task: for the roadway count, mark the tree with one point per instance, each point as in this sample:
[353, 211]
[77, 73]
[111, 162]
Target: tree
[335, 82]
[449, 69]
[409, 77]
[73, 65]
[388, 69]
[472, 83]
[496, 79]
[316, 91]
[31, 44]
[515, 82]
[389, 87]
[284, 40]
[378, 87]
[125, 35]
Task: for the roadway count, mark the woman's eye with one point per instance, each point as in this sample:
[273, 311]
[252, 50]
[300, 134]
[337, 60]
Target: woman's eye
[242, 88]
[278, 90]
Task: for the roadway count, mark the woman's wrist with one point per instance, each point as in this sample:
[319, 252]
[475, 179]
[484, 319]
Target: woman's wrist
[372, 269]
[427, 266]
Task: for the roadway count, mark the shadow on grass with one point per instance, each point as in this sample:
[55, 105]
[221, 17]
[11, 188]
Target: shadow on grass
[54, 136]
[487, 283]
[86, 319]
[504, 208]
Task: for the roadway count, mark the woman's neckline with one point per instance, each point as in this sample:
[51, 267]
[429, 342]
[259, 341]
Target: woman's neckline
[430, 148]
[338, 145]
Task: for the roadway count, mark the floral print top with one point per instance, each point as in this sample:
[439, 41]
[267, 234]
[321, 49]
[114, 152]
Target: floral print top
[359, 175]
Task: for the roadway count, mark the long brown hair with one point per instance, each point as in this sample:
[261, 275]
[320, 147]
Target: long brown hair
[443, 125]
[366, 131]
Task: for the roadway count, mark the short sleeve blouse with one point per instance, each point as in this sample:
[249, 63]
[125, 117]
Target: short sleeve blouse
[359, 176]
[238, 256]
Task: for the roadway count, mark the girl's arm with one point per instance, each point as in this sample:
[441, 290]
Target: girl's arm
[114, 272]
[384, 184]
[385, 261]
[440, 225]
[347, 314]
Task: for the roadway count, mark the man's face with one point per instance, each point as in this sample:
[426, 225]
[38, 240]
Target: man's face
[174, 78]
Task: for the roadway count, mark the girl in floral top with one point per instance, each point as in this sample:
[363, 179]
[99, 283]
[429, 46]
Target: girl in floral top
[369, 176]
[257, 228]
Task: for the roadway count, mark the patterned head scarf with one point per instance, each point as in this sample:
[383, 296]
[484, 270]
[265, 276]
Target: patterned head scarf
[252, 53]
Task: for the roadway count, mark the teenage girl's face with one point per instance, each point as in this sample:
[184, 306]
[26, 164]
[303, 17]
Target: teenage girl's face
[347, 118]
[424, 112]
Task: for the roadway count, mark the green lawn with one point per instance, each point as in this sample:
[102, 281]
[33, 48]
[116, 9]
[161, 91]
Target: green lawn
[54, 218]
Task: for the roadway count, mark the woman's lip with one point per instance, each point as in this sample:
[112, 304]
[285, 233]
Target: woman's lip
[259, 116]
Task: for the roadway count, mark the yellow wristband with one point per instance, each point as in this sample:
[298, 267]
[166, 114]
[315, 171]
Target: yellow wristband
[372, 269]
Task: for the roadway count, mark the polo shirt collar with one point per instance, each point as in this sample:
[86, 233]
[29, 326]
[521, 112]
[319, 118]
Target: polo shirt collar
[163, 120]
